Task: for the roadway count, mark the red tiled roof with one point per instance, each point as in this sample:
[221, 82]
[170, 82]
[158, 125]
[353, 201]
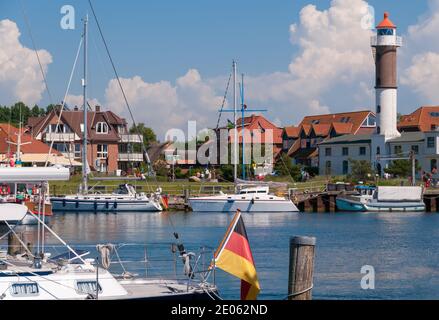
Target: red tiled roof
[292, 132]
[255, 123]
[342, 128]
[420, 120]
[321, 130]
[8, 133]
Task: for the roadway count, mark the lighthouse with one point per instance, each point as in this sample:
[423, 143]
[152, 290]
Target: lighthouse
[385, 45]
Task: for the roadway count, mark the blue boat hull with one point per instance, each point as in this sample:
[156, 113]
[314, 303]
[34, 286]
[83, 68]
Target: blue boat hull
[347, 205]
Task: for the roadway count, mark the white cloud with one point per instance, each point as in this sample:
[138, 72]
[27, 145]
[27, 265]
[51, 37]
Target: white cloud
[163, 105]
[20, 75]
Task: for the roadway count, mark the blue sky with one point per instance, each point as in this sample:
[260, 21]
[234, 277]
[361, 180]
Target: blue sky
[162, 40]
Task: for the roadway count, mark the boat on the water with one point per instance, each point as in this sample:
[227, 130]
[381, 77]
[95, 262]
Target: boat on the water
[386, 199]
[125, 198]
[249, 199]
[355, 202]
[39, 275]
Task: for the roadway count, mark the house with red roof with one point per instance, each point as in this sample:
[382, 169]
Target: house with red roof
[301, 142]
[109, 148]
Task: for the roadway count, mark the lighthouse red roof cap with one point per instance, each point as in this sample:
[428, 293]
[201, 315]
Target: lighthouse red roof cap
[386, 23]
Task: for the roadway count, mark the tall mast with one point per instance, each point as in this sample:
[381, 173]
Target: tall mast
[235, 146]
[85, 139]
[242, 129]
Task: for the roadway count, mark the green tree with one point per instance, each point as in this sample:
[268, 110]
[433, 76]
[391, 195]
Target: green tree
[148, 134]
[401, 168]
[286, 168]
[361, 169]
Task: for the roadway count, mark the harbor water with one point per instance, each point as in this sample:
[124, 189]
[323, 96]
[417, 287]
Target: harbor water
[401, 247]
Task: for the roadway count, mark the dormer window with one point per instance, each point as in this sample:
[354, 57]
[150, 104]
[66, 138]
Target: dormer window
[102, 128]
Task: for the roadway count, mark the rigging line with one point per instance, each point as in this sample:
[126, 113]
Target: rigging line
[224, 101]
[64, 100]
[151, 169]
[29, 30]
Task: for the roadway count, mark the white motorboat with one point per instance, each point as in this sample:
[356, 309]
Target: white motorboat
[396, 199]
[252, 199]
[125, 198]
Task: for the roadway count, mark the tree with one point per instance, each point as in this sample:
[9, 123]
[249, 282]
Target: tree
[148, 134]
[401, 168]
[361, 169]
[286, 168]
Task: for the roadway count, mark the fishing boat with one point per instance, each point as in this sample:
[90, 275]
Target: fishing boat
[41, 275]
[355, 202]
[385, 199]
[250, 196]
[125, 198]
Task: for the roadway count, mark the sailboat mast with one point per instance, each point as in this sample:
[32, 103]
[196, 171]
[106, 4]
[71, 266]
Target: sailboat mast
[235, 146]
[85, 138]
[243, 124]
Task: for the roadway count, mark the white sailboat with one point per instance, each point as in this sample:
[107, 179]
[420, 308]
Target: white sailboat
[250, 196]
[125, 198]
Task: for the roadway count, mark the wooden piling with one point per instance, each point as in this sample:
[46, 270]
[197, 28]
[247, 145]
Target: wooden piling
[301, 269]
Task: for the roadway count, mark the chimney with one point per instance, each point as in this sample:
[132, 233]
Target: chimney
[98, 108]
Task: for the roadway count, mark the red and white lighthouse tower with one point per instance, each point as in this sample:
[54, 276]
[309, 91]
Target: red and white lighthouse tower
[385, 45]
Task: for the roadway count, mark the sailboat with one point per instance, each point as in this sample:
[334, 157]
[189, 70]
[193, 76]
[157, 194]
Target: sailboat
[250, 196]
[45, 275]
[125, 198]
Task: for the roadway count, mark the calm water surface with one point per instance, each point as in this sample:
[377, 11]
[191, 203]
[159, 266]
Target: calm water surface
[401, 247]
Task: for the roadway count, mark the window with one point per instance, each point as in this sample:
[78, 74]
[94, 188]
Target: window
[378, 109]
[397, 150]
[362, 151]
[415, 149]
[378, 150]
[101, 128]
[433, 165]
[102, 151]
[378, 130]
[122, 130]
[434, 114]
[385, 32]
[57, 129]
[345, 167]
[315, 121]
[87, 287]
[328, 152]
[328, 167]
[430, 142]
[77, 150]
[345, 151]
[25, 289]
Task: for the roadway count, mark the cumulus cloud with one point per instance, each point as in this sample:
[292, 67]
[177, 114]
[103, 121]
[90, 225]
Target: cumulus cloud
[20, 75]
[334, 54]
[164, 105]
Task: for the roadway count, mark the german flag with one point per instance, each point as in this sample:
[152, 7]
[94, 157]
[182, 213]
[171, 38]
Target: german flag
[235, 257]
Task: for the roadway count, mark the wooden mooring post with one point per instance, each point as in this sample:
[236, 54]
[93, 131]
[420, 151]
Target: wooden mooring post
[301, 269]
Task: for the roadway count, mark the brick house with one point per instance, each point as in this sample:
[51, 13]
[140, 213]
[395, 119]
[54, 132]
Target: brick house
[110, 146]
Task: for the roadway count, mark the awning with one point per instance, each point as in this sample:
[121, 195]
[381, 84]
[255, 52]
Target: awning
[53, 159]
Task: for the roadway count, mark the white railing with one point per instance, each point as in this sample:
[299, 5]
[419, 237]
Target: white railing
[60, 137]
[136, 157]
[386, 41]
[131, 138]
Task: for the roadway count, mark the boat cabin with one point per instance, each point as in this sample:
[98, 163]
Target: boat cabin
[254, 190]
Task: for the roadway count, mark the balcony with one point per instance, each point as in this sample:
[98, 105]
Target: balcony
[130, 157]
[386, 41]
[60, 137]
[131, 138]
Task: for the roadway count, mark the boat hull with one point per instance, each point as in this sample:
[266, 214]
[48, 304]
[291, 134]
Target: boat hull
[205, 205]
[395, 207]
[349, 205]
[79, 205]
